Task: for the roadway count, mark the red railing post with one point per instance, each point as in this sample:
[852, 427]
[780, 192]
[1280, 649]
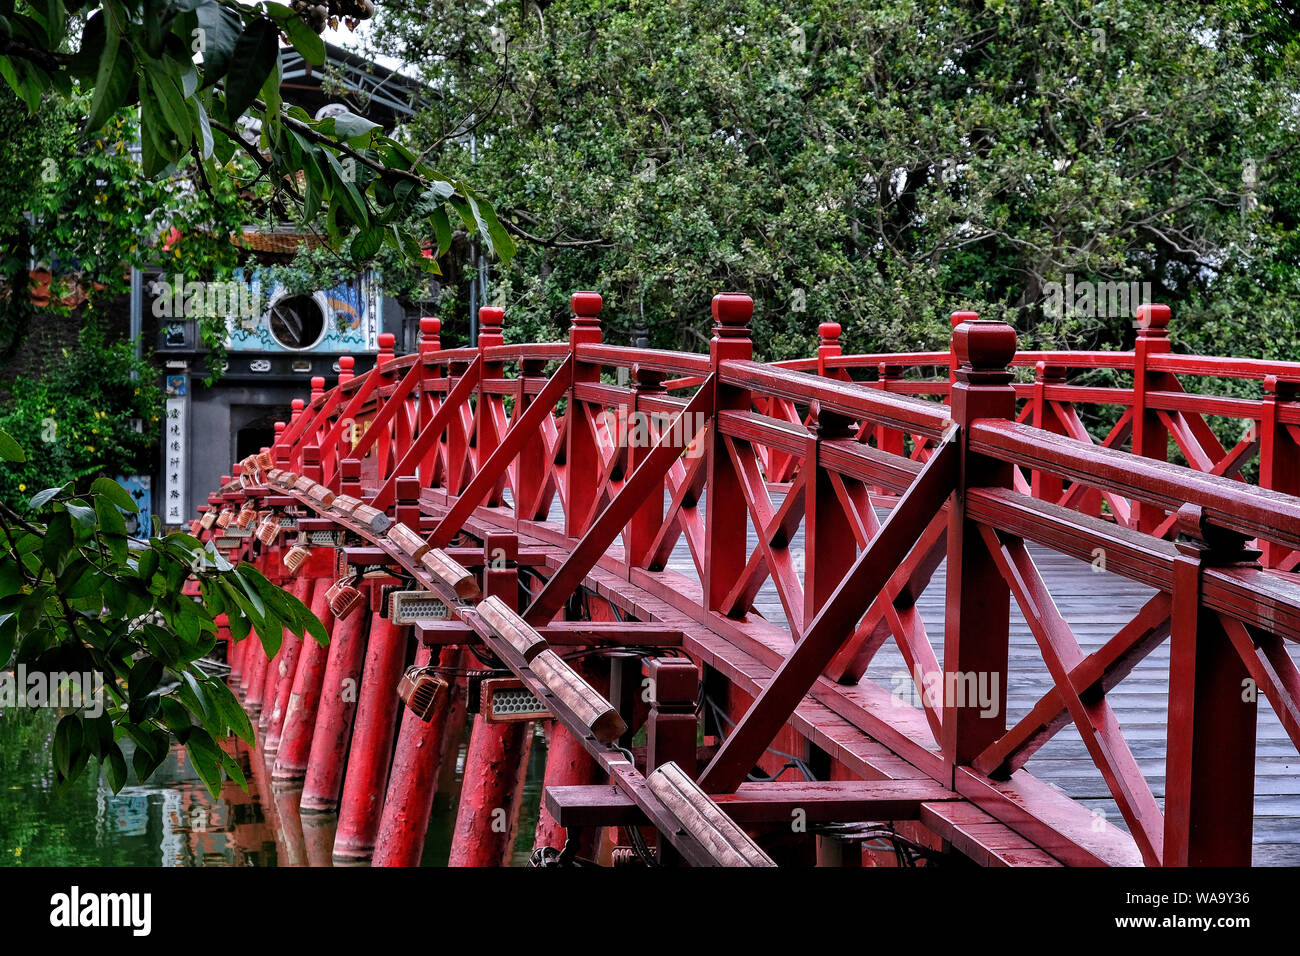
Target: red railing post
[430, 382]
[641, 432]
[387, 373]
[581, 454]
[828, 347]
[1279, 453]
[978, 599]
[1210, 757]
[829, 547]
[1045, 485]
[725, 534]
[487, 434]
[954, 363]
[531, 464]
[892, 440]
[1150, 437]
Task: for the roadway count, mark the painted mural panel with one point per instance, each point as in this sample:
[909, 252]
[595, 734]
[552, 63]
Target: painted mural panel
[342, 319]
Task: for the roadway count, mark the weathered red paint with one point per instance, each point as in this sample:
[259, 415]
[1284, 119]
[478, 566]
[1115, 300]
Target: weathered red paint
[305, 695]
[340, 688]
[371, 753]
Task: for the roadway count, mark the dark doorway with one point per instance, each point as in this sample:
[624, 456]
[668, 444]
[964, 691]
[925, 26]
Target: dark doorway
[258, 430]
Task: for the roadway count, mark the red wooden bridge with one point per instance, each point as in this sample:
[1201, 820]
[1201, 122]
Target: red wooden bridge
[855, 609]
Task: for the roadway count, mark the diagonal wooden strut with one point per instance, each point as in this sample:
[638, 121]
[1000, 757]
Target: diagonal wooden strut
[525, 424]
[430, 433]
[616, 515]
[1095, 719]
[834, 622]
[1095, 674]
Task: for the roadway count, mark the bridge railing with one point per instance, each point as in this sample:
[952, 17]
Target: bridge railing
[884, 486]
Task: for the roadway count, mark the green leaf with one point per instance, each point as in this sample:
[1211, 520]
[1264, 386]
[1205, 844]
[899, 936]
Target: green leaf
[67, 744]
[115, 769]
[256, 52]
[305, 40]
[84, 516]
[221, 28]
[353, 204]
[41, 498]
[116, 70]
[205, 755]
[231, 711]
[10, 450]
[204, 127]
[353, 128]
[172, 100]
[115, 493]
[147, 564]
[441, 229]
[366, 243]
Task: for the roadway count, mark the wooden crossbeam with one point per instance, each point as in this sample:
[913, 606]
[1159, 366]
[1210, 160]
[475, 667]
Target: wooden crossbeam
[834, 622]
[758, 803]
[1271, 668]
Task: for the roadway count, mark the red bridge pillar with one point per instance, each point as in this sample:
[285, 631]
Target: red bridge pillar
[371, 753]
[305, 696]
[978, 613]
[340, 688]
[498, 753]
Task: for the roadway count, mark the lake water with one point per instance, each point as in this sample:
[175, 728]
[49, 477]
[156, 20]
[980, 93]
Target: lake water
[173, 820]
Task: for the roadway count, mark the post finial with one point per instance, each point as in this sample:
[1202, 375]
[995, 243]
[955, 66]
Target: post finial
[1152, 319]
[829, 332]
[731, 314]
[984, 345]
[585, 324]
[430, 328]
[387, 342]
[490, 322]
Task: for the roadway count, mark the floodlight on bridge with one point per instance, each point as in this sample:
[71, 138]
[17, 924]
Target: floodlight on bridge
[505, 700]
[420, 689]
[412, 607]
[294, 558]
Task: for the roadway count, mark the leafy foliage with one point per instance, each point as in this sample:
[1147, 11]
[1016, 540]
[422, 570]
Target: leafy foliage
[82, 414]
[341, 170]
[879, 164]
[78, 595]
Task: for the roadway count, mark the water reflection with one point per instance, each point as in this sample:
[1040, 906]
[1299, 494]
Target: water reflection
[174, 821]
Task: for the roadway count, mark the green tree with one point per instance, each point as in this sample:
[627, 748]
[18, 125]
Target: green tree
[78, 595]
[877, 163]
